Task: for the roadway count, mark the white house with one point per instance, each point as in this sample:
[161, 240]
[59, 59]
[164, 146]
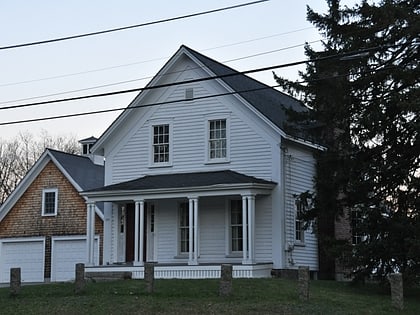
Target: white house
[199, 172]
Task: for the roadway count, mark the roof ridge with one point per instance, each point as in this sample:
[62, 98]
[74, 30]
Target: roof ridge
[239, 73]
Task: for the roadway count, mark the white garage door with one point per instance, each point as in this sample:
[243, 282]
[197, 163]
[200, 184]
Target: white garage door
[25, 253]
[66, 252]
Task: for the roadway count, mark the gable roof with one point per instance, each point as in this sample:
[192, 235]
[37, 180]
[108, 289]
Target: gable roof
[80, 171]
[271, 103]
[267, 100]
[86, 174]
[184, 180]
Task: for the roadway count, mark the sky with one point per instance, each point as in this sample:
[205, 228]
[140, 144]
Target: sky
[250, 37]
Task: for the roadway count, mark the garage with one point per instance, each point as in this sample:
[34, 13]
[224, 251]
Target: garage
[66, 252]
[25, 253]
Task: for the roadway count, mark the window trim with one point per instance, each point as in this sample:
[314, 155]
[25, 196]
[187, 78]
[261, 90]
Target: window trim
[301, 240]
[44, 192]
[181, 253]
[229, 252]
[208, 119]
[151, 144]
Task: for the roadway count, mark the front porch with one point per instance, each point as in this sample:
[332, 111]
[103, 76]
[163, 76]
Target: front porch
[180, 271]
[188, 231]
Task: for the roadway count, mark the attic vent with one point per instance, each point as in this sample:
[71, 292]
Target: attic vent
[189, 93]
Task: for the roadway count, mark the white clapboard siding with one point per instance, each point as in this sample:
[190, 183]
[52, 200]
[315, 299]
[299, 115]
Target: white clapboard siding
[213, 228]
[299, 175]
[250, 153]
[263, 229]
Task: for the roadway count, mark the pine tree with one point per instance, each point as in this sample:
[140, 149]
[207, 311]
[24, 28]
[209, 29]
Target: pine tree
[365, 99]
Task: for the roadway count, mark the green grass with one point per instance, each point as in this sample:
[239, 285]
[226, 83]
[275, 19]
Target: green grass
[250, 296]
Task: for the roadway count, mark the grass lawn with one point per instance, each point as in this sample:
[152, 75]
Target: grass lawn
[250, 296]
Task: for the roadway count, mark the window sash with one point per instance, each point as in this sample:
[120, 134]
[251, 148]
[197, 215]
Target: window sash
[217, 139]
[49, 202]
[161, 143]
[299, 224]
[236, 226]
[184, 228]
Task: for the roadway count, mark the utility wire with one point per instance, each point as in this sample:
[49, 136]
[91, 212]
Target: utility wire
[149, 77]
[235, 73]
[264, 87]
[176, 83]
[155, 59]
[132, 26]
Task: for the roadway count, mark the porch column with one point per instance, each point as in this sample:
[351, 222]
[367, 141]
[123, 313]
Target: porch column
[248, 229]
[251, 229]
[193, 230]
[196, 231]
[90, 234]
[244, 230]
[138, 232]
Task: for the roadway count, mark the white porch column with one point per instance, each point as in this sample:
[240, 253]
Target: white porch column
[244, 230]
[140, 238]
[193, 231]
[196, 231]
[136, 233]
[90, 234]
[251, 229]
[248, 229]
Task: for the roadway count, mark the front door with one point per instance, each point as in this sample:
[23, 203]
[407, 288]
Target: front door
[129, 233]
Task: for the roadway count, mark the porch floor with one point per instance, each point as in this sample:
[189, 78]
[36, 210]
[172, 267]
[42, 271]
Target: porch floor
[179, 271]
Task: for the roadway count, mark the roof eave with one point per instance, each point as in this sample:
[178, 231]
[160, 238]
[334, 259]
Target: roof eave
[176, 192]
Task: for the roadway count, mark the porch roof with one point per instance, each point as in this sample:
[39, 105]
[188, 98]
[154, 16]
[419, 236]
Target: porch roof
[181, 182]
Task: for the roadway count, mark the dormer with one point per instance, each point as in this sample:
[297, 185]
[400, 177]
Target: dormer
[87, 144]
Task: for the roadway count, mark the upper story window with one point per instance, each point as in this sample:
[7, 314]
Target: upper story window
[49, 202]
[161, 144]
[217, 140]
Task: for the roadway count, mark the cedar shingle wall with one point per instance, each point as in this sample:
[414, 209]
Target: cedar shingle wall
[25, 218]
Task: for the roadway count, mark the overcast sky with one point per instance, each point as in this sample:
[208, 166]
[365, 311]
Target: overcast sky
[132, 55]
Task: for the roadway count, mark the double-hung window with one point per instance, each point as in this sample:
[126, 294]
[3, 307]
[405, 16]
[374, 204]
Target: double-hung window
[184, 228]
[49, 202]
[161, 144]
[217, 139]
[300, 207]
[236, 224]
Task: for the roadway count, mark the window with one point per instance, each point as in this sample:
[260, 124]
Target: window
[160, 144]
[236, 224]
[217, 139]
[86, 148]
[184, 228]
[301, 206]
[49, 202]
[356, 218]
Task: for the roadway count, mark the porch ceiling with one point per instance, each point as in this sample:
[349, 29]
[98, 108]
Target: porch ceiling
[173, 185]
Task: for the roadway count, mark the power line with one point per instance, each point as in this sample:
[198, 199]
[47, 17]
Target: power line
[166, 85]
[149, 77]
[156, 59]
[172, 101]
[131, 26]
[235, 73]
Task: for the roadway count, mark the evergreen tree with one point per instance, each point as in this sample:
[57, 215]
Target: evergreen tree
[364, 91]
